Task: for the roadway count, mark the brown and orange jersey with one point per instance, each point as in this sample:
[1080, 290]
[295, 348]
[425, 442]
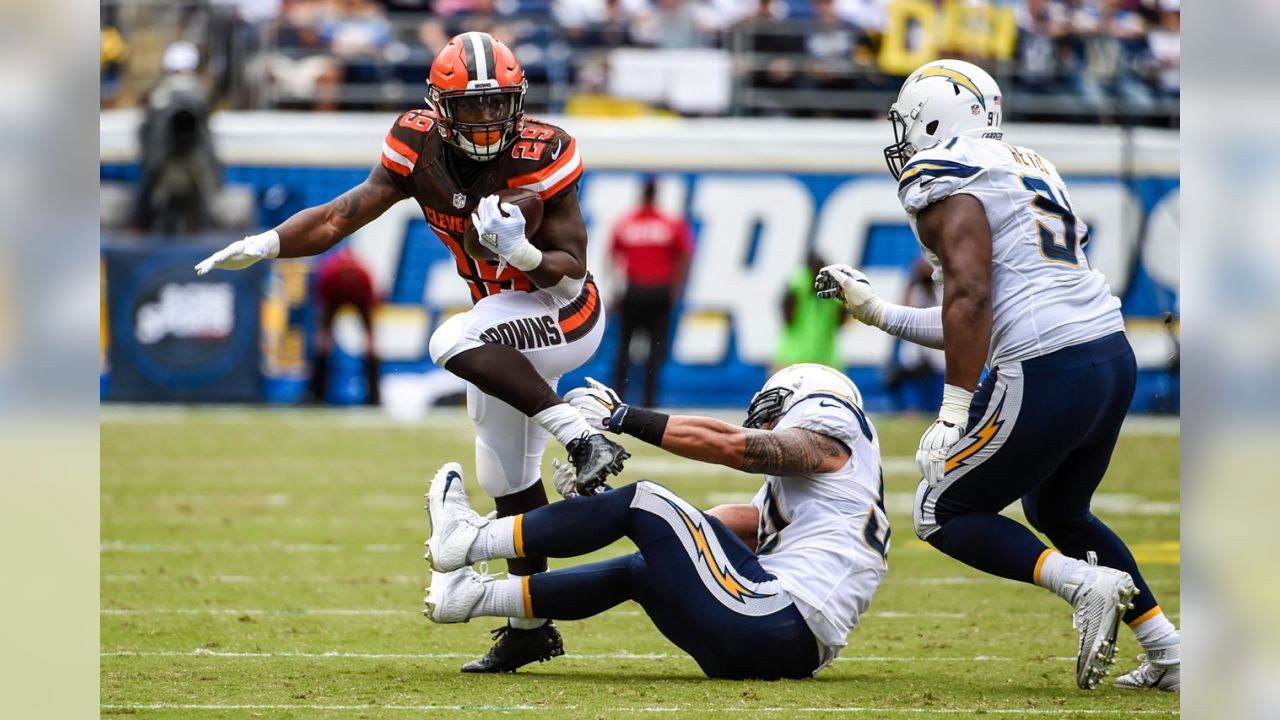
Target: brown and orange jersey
[544, 158]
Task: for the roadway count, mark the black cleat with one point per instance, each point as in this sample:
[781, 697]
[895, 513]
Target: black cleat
[516, 648]
[595, 457]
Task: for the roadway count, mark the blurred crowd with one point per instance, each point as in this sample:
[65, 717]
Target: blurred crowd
[1064, 59]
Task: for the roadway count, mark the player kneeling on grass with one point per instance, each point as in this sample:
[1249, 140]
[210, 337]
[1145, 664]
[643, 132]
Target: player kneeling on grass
[767, 590]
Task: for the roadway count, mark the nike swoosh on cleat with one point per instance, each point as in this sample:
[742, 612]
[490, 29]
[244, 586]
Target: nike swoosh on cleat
[448, 480]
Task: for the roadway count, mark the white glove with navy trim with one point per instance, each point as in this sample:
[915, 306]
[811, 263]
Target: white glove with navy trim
[242, 253]
[943, 434]
[501, 230]
[854, 289]
[597, 403]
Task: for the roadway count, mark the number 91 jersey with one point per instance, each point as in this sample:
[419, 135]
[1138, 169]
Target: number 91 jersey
[1044, 294]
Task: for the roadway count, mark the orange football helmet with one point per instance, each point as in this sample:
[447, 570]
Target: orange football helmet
[477, 87]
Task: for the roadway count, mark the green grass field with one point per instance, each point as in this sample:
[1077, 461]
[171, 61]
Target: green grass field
[268, 564]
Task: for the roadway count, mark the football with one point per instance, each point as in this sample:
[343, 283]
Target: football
[530, 204]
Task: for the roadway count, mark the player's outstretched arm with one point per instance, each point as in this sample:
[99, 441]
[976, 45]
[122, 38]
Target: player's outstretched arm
[313, 230]
[791, 451]
[922, 326]
[957, 230]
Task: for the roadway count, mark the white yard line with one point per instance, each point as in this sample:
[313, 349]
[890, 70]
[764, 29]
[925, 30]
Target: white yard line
[357, 580]
[393, 611]
[337, 655]
[878, 711]
[117, 546]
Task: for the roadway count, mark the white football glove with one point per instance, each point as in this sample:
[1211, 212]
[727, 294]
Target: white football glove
[854, 289]
[596, 402]
[943, 434]
[565, 478]
[242, 253]
[504, 234]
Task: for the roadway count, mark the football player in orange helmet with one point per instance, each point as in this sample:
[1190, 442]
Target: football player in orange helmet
[537, 312]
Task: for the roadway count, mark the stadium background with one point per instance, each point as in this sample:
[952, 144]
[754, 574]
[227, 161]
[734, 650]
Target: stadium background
[762, 122]
[267, 561]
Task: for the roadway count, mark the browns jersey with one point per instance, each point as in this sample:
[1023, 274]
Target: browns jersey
[544, 158]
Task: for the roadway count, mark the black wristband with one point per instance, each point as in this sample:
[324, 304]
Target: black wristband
[647, 425]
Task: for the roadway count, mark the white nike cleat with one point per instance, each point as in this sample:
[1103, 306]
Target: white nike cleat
[453, 595]
[1100, 597]
[454, 524]
[1160, 670]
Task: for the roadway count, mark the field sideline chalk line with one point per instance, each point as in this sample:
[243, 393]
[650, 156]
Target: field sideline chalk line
[649, 709]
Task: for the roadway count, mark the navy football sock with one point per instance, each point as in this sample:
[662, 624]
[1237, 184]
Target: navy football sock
[577, 526]
[582, 591]
[991, 543]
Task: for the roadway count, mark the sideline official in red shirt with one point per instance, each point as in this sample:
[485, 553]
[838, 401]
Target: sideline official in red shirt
[654, 250]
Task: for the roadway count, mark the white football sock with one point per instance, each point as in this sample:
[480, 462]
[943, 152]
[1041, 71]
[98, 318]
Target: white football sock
[501, 598]
[495, 540]
[1053, 569]
[564, 422]
[517, 619]
[1157, 633]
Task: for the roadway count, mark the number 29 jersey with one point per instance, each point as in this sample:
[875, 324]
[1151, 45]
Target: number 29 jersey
[1044, 294]
[543, 158]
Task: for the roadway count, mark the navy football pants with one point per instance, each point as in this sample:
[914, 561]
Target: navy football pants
[1042, 431]
[699, 584]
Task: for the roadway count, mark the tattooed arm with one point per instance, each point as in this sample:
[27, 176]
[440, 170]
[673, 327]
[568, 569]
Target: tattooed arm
[316, 229]
[792, 451]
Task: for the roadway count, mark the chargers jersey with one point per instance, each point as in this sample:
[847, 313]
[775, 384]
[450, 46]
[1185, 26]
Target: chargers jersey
[1044, 294]
[416, 158]
[825, 536]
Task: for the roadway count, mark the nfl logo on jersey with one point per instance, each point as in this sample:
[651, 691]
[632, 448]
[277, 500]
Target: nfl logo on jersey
[459, 200]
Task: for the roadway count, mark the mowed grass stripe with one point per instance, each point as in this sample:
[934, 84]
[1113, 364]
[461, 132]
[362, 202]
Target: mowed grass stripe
[341, 655]
[701, 709]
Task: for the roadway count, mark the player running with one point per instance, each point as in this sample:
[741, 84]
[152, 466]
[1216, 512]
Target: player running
[766, 590]
[537, 312]
[1019, 297]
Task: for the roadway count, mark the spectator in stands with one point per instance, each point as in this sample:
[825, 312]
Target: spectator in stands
[113, 51]
[342, 280]
[836, 49]
[357, 32]
[180, 174]
[654, 250]
[869, 15]
[915, 374]
[1112, 39]
[777, 51]
[810, 325]
[597, 23]
[1165, 46]
[1042, 27]
[678, 24]
[301, 69]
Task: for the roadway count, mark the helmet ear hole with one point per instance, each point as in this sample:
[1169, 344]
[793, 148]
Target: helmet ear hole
[932, 127]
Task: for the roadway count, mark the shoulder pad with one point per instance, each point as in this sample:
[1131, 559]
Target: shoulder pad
[545, 159]
[830, 414]
[936, 173]
[406, 140]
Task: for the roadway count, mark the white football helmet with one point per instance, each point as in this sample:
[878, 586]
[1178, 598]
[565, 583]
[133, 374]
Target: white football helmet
[939, 101]
[794, 383]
